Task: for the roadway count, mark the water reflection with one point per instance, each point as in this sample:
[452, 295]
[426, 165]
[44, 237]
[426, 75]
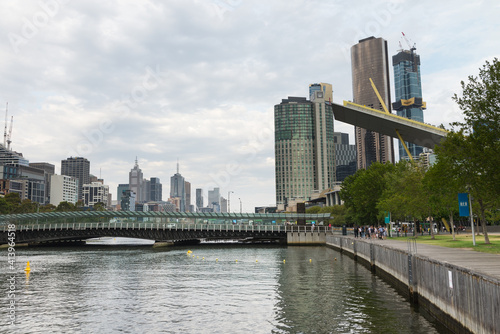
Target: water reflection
[216, 289]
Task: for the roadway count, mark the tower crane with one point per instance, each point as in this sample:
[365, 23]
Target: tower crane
[5, 131]
[9, 136]
[412, 49]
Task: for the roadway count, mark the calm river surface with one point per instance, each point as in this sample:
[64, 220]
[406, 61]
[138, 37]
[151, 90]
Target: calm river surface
[216, 289]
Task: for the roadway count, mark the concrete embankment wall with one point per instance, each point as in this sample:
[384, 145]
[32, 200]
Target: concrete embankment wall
[463, 300]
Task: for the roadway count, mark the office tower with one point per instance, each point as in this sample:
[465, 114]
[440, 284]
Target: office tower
[345, 156]
[79, 168]
[178, 190]
[146, 190]
[135, 182]
[408, 88]
[127, 202]
[199, 199]
[214, 199]
[304, 146]
[156, 189]
[187, 189]
[120, 189]
[369, 60]
[94, 193]
[63, 188]
[49, 170]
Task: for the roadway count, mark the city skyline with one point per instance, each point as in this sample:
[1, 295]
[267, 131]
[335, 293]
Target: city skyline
[198, 80]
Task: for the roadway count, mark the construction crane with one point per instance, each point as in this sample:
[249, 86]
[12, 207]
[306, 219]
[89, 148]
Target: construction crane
[5, 131]
[412, 49]
[9, 136]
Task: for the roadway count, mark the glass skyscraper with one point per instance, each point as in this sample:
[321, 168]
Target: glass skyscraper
[408, 88]
[369, 61]
[304, 146]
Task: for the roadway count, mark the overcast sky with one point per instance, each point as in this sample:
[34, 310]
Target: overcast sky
[197, 80]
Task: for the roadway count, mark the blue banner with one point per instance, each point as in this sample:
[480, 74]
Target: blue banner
[463, 204]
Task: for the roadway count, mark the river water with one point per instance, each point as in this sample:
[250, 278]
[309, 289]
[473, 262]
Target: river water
[215, 289]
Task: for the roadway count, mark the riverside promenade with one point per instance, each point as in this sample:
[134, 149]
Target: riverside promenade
[459, 287]
[484, 263]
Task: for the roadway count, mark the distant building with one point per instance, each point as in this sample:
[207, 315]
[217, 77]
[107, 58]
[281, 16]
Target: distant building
[223, 205]
[345, 156]
[135, 181]
[127, 202]
[95, 192]
[79, 168]
[199, 199]
[187, 189]
[408, 88]
[63, 188]
[214, 199]
[49, 170]
[155, 190]
[178, 190]
[369, 60]
[120, 189]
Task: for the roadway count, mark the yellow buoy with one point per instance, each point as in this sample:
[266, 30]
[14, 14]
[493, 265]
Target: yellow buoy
[236, 260]
[203, 258]
[189, 252]
[27, 269]
[256, 260]
[216, 260]
[310, 260]
[283, 261]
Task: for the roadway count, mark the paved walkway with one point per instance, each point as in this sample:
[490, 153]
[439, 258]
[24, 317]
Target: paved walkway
[488, 264]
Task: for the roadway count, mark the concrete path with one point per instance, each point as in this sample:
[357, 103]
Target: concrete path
[484, 263]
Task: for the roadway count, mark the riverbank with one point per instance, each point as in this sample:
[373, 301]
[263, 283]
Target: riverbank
[460, 288]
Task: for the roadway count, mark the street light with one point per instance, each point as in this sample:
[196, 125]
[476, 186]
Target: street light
[229, 201]
[240, 205]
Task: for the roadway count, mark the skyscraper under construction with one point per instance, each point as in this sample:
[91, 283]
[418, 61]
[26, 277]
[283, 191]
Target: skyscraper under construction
[408, 90]
[369, 60]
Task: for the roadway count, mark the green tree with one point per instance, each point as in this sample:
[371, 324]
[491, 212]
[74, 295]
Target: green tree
[362, 191]
[99, 206]
[47, 208]
[65, 206]
[404, 195]
[473, 150]
[443, 186]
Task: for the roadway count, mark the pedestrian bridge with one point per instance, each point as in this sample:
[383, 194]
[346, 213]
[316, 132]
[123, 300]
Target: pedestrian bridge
[172, 227]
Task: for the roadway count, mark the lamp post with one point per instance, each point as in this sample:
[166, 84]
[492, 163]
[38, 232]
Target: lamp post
[240, 205]
[229, 201]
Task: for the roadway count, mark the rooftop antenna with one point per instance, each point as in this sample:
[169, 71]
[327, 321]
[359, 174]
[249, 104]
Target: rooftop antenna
[177, 165]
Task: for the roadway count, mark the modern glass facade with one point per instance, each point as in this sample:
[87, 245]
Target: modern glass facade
[304, 147]
[408, 89]
[369, 61]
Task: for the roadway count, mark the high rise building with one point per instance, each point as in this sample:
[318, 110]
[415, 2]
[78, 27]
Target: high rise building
[95, 192]
[79, 168]
[345, 156]
[178, 190]
[369, 60]
[199, 199]
[187, 188]
[214, 199]
[120, 189]
[304, 146]
[408, 88]
[49, 170]
[135, 182]
[63, 189]
[156, 190]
